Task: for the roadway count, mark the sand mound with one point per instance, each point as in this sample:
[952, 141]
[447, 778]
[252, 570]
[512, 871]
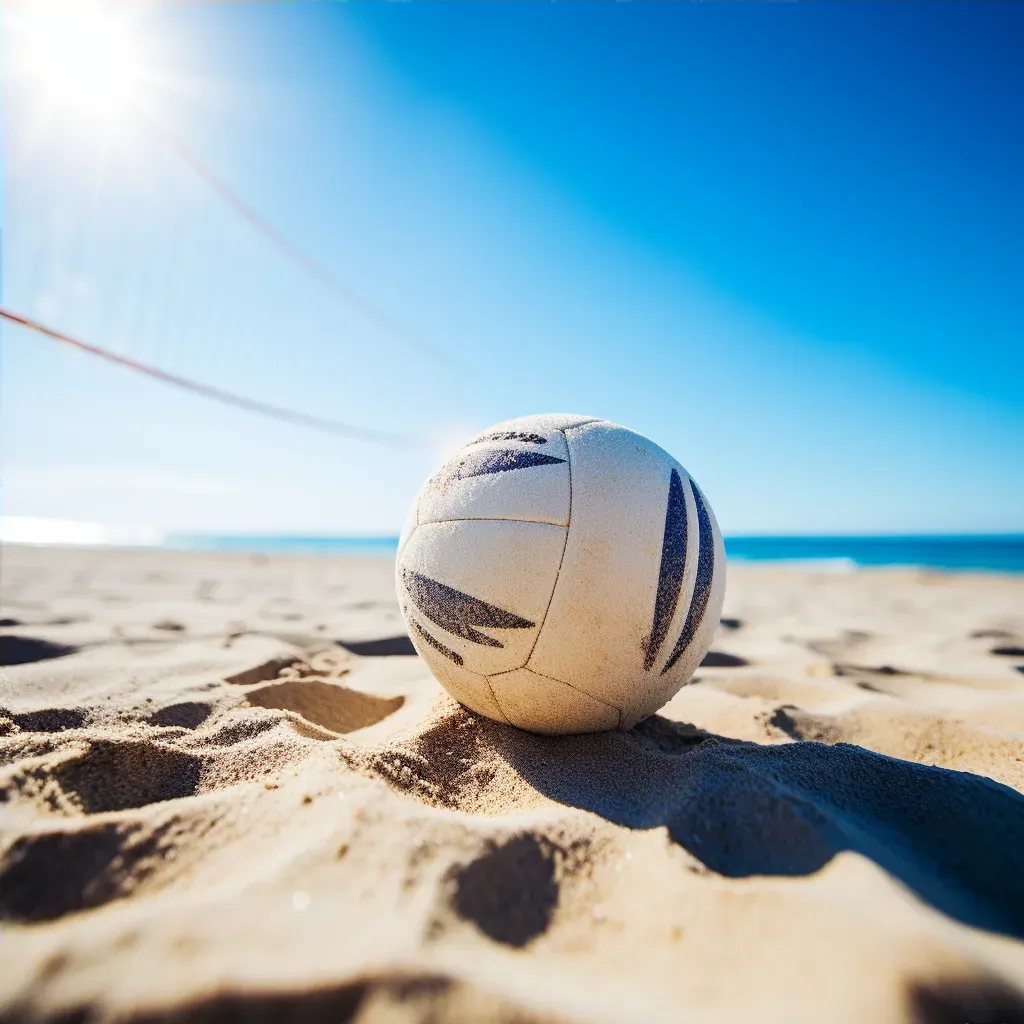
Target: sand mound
[224, 821]
[955, 839]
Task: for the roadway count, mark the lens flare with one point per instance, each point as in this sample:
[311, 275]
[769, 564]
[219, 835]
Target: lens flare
[81, 54]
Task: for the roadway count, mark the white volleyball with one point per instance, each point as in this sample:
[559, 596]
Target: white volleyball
[562, 574]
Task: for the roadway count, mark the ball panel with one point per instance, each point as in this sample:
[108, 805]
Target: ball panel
[480, 589]
[597, 632]
[504, 476]
[539, 704]
[469, 689]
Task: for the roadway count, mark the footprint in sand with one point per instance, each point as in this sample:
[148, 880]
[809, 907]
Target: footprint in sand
[186, 715]
[387, 647]
[797, 724]
[511, 892]
[117, 775]
[45, 876]
[169, 625]
[328, 705]
[264, 671]
[720, 659]
[954, 1000]
[50, 719]
[23, 650]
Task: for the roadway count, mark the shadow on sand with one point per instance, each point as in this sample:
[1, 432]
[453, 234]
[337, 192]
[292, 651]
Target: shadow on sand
[955, 839]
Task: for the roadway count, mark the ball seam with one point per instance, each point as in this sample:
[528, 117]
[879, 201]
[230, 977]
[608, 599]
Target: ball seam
[561, 559]
[494, 697]
[551, 597]
[553, 679]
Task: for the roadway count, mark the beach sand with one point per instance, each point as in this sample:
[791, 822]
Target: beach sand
[229, 791]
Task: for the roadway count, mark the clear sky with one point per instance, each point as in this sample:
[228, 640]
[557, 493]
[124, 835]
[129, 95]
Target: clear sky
[782, 240]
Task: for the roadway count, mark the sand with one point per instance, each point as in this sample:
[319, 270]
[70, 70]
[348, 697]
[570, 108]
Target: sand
[228, 791]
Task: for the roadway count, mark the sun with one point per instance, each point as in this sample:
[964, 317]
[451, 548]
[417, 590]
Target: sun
[81, 54]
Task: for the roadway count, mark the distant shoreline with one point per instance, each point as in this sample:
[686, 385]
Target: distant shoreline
[1002, 553]
[988, 553]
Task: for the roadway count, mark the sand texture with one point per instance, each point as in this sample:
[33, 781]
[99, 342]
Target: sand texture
[228, 792]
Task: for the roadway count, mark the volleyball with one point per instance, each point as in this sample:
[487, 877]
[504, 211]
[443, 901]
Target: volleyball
[562, 574]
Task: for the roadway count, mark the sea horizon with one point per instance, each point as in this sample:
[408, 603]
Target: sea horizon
[951, 552]
[992, 552]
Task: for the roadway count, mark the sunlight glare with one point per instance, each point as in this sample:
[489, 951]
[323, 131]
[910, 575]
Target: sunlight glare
[80, 53]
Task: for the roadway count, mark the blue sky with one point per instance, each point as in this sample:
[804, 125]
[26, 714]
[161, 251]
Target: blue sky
[782, 240]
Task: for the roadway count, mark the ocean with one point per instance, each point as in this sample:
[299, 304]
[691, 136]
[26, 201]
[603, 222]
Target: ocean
[989, 552]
